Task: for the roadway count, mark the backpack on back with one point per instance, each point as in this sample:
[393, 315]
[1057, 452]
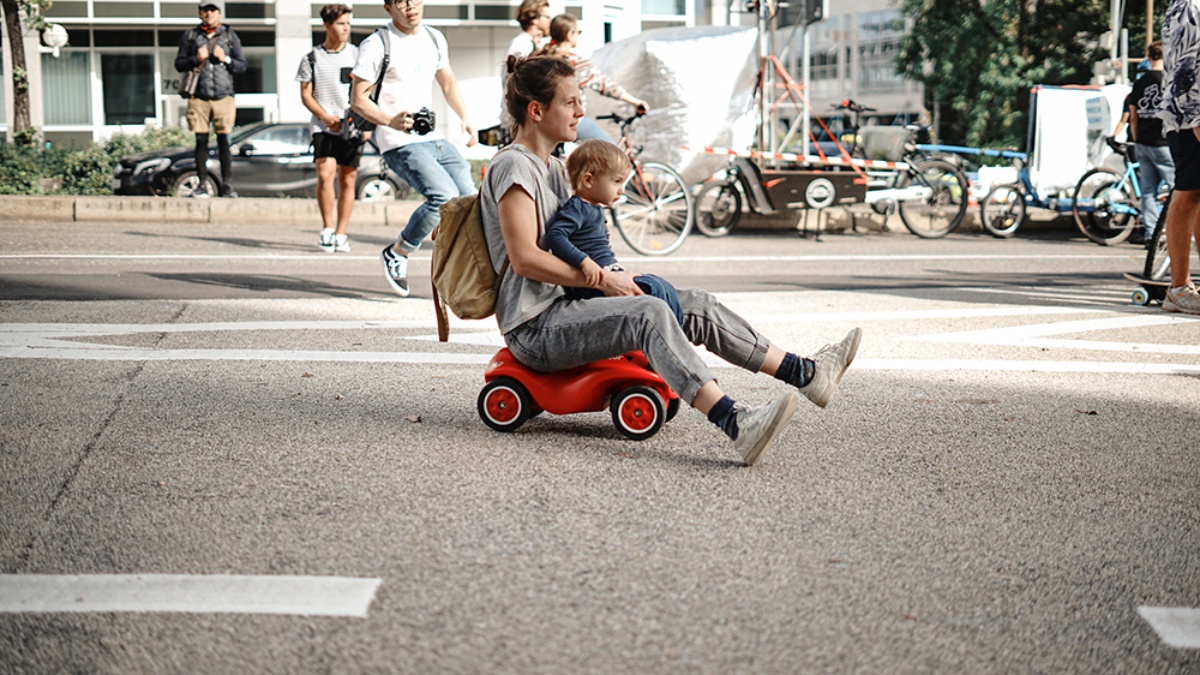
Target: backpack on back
[461, 269]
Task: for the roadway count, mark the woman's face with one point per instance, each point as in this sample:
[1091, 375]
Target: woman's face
[564, 112]
[573, 37]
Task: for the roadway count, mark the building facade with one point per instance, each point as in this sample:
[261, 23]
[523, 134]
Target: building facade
[117, 72]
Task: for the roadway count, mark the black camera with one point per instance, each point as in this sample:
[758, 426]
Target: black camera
[423, 121]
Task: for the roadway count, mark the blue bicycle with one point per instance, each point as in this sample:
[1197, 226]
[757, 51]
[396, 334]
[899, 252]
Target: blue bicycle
[1107, 204]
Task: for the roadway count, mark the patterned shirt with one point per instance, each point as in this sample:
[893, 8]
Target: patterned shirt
[1181, 55]
[330, 89]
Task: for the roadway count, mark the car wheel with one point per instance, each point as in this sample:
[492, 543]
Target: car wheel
[187, 182]
[379, 189]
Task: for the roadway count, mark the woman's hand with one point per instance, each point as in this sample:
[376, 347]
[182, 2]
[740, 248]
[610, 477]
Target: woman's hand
[618, 283]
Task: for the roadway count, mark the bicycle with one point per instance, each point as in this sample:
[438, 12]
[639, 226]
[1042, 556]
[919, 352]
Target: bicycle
[656, 213]
[1107, 204]
[930, 193]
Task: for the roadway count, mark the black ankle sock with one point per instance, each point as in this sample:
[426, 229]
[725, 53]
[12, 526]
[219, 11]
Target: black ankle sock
[723, 416]
[226, 158]
[796, 370]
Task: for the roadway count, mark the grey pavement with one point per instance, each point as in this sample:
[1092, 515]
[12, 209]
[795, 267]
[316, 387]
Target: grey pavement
[1007, 475]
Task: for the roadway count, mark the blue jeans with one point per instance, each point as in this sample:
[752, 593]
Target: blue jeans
[1154, 166]
[439, 172]
[654, 286]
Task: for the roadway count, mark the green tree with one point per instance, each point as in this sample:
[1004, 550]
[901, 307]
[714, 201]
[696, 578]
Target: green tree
[978, 60]
[20, 126]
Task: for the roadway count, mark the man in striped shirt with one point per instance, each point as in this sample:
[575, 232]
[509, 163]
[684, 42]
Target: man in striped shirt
[324, 78]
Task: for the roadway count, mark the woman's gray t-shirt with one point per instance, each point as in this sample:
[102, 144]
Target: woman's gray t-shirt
[515, 167]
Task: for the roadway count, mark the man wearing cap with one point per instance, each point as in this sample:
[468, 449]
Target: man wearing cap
[216, 52]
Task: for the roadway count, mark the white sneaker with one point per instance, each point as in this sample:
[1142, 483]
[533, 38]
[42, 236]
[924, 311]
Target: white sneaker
[341, 243]
[325, 240]
[759, 427]
[831, 363]
[1185, 299]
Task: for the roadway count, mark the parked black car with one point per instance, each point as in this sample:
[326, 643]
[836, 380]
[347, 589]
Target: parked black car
[269, 160]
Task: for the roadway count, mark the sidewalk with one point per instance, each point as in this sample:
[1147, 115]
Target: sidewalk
[396, 213]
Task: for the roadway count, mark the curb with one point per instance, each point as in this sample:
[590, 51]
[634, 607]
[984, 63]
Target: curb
[166, 209]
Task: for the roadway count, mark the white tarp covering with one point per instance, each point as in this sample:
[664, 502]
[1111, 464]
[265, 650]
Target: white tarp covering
[699, 83]
[1068, 125]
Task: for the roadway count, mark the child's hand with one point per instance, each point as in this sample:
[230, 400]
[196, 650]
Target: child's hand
[591, 272]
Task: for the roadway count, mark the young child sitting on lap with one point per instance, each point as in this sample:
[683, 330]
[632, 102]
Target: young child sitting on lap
[579, 232]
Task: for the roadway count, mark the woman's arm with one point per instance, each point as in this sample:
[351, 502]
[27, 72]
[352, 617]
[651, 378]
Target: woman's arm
[518, 226]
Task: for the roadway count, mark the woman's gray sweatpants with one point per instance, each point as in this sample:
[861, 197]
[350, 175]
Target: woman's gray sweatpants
[574, 332]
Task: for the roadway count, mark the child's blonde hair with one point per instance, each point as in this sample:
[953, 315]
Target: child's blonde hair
[596, 157]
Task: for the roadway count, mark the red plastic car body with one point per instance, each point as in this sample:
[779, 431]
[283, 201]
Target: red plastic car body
[640, 401]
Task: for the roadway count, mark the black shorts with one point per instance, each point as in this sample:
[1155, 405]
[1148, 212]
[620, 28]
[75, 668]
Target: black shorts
[1185, 150]
[345, 152]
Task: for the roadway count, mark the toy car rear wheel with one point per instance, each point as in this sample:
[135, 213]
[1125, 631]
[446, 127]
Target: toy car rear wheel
[504, 404]
[638, 412]
[672, 409]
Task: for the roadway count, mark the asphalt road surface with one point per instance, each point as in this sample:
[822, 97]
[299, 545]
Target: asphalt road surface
[222, 450]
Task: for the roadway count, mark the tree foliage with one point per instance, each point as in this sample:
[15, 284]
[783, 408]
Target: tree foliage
[978, 59]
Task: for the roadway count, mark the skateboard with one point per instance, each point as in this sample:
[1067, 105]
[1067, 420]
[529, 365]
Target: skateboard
[1151, 290]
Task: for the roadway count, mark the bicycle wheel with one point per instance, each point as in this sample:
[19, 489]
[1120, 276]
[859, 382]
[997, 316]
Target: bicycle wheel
[1158, 261]
[1104, 207]
[944, 200]
[1003, 210]
[718, 208]
[655, 215]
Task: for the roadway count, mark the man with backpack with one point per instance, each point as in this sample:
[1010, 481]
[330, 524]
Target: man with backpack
[400, 62]
[214, 52]
[324, 78]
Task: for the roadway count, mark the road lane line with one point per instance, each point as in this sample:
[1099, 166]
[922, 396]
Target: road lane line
[1178, 627]
[192, 594]
[923, 257]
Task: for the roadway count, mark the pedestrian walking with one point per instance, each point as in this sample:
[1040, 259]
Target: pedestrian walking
[324, 77]
[1149, 143]
[1180, 113]
[412, 145]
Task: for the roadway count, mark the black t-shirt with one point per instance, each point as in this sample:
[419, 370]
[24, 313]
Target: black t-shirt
[1145, 98]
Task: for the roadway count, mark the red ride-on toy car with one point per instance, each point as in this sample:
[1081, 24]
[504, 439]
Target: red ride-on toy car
[640, 401]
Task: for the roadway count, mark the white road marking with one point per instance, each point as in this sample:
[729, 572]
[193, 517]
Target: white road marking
[673, 259]
[66, 341]
[1178, 627]
[1036, 335]
[193, 594]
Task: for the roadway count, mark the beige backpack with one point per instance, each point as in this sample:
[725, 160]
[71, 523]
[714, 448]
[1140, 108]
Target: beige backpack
[461, 269]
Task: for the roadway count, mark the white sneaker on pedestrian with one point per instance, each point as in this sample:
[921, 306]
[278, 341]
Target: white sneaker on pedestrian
[831, 363]
[325, 240]
[759, 427]
[341, 243]
[1184, 299]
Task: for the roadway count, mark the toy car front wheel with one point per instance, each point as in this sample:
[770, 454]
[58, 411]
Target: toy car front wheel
[504, 404]
[638, 412]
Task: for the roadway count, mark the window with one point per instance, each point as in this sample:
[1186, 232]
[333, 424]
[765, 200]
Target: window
[879, 35]
[66, 88]
[128, 88]
[660, 7]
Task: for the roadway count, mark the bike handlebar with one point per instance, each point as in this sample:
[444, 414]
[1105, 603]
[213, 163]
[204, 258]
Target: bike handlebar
[851, 105]
[622, 119]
